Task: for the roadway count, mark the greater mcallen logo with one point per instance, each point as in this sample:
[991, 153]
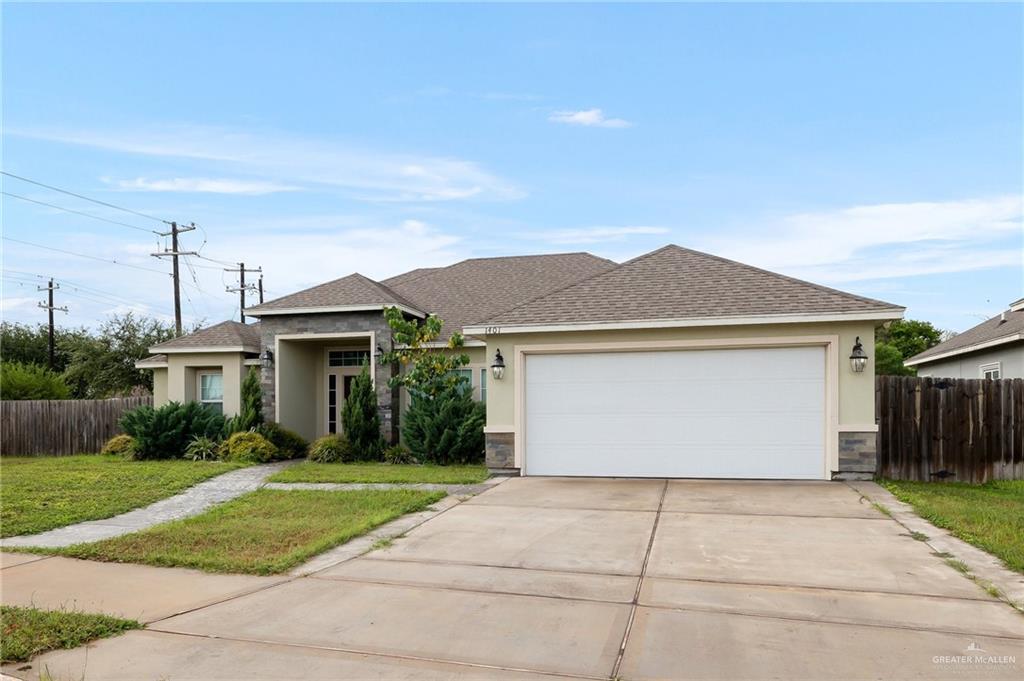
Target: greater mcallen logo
[974, 655]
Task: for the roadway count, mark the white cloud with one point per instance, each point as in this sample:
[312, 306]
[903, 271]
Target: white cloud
[281, 159]
[206, 185]
[588, 117]
[882, 240]
[593, 235]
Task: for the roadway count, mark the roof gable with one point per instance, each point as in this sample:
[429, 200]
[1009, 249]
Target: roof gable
[353, 290]
[678, 283]
[225, 335]
[1006, 327]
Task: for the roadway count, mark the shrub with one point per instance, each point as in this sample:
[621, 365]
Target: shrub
[361, 418]
[31, 382]
[445, 428]
[290, 445]
[119, 445]
[202, 448]
[331, 449]
[398, 454]
[248, 446]
[164, 433]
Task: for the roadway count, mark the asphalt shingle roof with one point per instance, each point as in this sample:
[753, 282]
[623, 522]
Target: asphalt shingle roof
[225, 334]
[988, 330]
[678, 283]
[355, 289]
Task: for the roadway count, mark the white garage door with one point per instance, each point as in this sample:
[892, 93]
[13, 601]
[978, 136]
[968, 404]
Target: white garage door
[737, 413]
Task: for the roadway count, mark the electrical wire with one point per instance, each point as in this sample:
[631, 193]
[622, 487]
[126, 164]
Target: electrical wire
[84, 198]
[72, 284]
[78, 212]
[90, 257]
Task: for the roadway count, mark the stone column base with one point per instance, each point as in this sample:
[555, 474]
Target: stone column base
[858, 454]
[500, 451]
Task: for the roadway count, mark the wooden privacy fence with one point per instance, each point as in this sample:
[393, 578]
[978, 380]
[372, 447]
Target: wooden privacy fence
[973, 429]
[29, 427]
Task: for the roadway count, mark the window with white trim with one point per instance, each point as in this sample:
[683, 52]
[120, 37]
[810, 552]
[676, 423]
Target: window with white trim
[991, 371]
[483, 385]
[211, 390]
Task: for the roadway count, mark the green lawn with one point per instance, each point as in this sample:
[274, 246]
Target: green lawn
[263, 532]
[29, 631]
[990, 516]
[41, 493]
[381, 472]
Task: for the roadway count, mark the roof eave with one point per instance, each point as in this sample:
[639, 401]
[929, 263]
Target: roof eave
[256, 312]
[872, 315]
[204, 349]
[974, 347]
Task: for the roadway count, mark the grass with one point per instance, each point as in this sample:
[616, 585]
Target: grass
[989, 516]
[41, 493]
[381, 472]
[30, 631]
[263, 532]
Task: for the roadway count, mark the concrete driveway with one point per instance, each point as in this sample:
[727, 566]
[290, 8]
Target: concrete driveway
[633, 579]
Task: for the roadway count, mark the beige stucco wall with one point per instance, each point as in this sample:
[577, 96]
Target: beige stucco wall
[160, 387]
[856, 392]
[181, 377]
[1009, 357]
[297, 367]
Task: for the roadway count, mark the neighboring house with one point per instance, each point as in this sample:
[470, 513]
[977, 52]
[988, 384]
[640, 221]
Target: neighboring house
[992, 349]
[673, 364]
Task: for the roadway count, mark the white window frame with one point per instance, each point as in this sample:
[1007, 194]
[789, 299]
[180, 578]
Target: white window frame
[991, 367]
[199, 387]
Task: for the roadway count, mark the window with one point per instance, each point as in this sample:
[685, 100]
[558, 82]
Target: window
[348, 358]
[483, 385]
[211, 390]
[991, 371]
[466, 374]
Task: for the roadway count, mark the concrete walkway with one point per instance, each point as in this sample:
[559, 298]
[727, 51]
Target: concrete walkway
[453, 490]
[191, 502]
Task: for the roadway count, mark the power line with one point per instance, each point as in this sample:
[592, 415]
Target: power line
[84, 198]
[83, 255]
[74, 285]
[78, 212]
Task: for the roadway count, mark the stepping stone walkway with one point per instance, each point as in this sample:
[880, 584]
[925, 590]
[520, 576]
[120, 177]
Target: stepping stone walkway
[191, 502]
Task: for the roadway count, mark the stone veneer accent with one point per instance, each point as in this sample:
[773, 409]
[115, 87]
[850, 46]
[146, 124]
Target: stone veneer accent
[334, 322]
[857, 455]
[500, 450]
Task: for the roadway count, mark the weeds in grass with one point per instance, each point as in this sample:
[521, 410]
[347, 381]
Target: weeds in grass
[30, 631]
[919, 536]
[881, 509]
[958, 565]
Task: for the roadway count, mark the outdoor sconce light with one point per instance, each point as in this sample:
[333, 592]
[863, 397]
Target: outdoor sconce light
[380, 354]
[267, 359]
[858, 358]
[498, 368]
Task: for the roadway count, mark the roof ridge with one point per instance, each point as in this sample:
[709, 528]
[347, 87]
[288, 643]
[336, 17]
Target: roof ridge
[384, 288]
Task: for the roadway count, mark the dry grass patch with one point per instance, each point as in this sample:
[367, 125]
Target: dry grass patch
[28, 632]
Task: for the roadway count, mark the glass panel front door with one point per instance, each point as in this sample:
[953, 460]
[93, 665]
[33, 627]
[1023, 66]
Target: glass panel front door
[338, 388]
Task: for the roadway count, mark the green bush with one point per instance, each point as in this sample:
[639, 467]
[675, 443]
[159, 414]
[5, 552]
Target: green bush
[248, 446]
[331, 449]
[31, 382]
[361, 418]
[202, 448]
[290, 445]
[166, 432]
[445, 428]
[120, 445]
[399, 454]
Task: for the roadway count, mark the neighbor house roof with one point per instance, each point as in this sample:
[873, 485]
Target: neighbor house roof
[346, 294]
[152, 362]
[1006, 327]
[223, 337]
[674, 284]
[471, 290]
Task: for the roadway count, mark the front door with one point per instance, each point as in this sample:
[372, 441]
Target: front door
[339, 385]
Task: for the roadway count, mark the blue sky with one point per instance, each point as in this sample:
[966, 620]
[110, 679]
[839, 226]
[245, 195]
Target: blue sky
[874, 148]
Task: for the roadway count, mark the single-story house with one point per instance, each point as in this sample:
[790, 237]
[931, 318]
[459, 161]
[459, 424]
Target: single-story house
[992, 349]
[674, 364]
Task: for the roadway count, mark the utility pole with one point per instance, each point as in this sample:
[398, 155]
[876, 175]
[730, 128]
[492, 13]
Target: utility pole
[242, 288]
[176, 229]
[49, 307]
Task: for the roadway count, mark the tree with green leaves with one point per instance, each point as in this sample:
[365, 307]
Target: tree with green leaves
[251, 415]
[19, 381]
[360, 417]
[900, 340]
[29, 344]
[424, 369]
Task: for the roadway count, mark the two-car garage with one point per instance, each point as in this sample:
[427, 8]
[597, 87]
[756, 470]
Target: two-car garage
[748, 412]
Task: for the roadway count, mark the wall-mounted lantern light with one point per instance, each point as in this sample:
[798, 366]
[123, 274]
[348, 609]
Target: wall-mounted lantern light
[379, 356]
[858, 358]
[267, 359]
[498, 368]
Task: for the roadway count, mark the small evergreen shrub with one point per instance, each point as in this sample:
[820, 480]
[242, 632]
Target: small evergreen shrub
[445, 428]
[361, 418]
[119, 445]
[331, 449]
[399, 454]
[202, 448]
[31, 382]
[290, 445]
[248, 446]
[166, 432]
